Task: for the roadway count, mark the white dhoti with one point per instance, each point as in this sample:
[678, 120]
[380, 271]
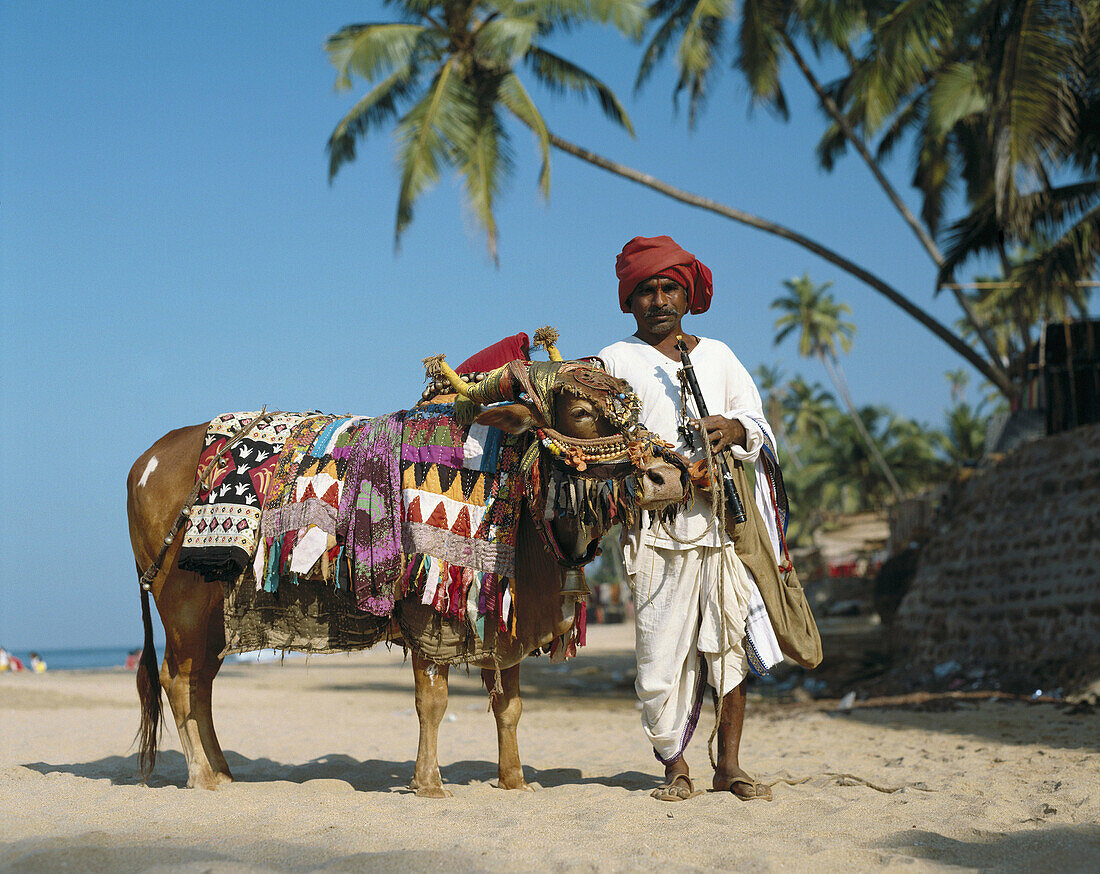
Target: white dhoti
[683, 641]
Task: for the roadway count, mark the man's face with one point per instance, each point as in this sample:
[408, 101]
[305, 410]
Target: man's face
[658, 305]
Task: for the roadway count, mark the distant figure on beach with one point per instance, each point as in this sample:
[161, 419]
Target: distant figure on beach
[9, 662]
[132, 659]
[38, 664]
[677, 569]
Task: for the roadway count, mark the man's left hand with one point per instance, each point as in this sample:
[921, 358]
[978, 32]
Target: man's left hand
[722, 432]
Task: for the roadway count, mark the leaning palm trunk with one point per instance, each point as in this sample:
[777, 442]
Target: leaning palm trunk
[984, 367]
[830, 107]
[832, 367]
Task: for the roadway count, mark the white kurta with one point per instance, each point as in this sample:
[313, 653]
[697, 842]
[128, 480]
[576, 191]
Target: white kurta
[674, 570]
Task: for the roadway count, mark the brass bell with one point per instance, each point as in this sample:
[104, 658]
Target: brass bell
[574, 586]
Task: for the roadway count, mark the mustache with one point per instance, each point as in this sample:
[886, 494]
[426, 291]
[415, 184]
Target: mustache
[660, 311]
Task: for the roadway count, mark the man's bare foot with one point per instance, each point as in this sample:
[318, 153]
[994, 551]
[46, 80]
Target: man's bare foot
[678, 786]
[742, 785]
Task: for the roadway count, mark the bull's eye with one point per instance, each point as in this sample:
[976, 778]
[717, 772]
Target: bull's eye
[581, 413]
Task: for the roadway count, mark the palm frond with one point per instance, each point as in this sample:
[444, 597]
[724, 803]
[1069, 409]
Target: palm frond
[503, 41]
[1034, 103]
[699, 51]
[517, 101]
[369, 50]
[675, 14]
[1054, 272]
[956, 92]
[760, 43]
[560, 75]
[372, 110]
[422, 144]
[907, 43]
[484, 159]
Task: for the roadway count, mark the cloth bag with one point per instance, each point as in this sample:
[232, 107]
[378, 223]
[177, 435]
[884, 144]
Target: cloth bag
[788, 609]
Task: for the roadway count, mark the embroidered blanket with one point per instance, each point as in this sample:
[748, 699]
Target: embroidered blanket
[299, 517]
[411, 503]
[225, 520]
[462, 494]
[369, 520]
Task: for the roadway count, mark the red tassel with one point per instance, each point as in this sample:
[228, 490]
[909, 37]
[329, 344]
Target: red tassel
[581, 622]
[456, 603]
[439, 601]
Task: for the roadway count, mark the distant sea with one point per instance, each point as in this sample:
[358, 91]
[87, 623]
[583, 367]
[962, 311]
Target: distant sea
[78, 659]
[115, 657]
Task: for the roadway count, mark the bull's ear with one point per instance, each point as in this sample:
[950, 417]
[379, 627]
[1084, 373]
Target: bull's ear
[510, 418]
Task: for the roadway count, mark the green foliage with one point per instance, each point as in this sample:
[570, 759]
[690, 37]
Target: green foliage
[819, 318]
[446, 77]
[999, 98]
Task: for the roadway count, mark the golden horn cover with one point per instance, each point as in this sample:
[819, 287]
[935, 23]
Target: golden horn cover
[547, 338]
[496, 386]
[434, 365]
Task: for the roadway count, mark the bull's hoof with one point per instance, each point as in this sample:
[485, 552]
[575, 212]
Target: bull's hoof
[514, 782]
[209, 780]
[431, 792]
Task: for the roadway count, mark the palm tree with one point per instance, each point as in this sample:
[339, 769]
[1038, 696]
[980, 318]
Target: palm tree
[964, 440]
[445, 72]
[1003, 100]
[958, 380]
[807, 409]
[820, 321]
[768, 30]
[770, 381]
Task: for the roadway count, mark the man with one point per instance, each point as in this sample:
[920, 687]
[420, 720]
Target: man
[692, 593]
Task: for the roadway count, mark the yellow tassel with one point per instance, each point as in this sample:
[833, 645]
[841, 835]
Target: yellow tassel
[547, 338]
[434, 365]
[466, 410]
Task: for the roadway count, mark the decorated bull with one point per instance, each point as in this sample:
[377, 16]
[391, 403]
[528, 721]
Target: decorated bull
[573, 461]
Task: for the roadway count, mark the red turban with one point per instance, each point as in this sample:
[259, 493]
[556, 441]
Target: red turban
[645, 257]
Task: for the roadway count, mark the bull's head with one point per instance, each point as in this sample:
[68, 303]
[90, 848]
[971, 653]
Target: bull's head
[593, 463]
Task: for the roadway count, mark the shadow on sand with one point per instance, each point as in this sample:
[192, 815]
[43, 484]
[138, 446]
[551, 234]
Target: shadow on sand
[372, 775]
[1052, 848]
[606, 676]
[1010, 722]
[99, 851]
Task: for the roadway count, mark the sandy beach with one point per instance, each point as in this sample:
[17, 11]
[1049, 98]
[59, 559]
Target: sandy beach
[322, 751]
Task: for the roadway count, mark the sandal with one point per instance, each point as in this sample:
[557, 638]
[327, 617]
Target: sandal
[670, 791]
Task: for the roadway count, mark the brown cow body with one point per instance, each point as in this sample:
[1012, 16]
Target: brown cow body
[190, 608]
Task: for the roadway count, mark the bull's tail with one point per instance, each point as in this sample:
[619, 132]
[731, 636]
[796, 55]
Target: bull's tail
[148, 686]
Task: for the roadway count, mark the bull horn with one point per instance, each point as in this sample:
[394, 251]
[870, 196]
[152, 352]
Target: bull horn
[434, 365]
[547, 338]
[498, 385]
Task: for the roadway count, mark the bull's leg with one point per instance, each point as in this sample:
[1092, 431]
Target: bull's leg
[192, 609]
[507, 708]
[431, 704]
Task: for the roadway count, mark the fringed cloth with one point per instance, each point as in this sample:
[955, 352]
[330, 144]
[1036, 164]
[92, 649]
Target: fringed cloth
[336, 495]
[462, 496]
[299, 520]
[370, 513]
[225, 521]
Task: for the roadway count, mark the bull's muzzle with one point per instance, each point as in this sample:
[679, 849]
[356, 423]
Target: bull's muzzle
[661, 485]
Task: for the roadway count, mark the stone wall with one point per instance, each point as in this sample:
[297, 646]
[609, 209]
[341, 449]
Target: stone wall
[1010, 579]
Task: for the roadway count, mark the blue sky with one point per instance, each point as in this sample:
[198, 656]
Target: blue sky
[170, 249]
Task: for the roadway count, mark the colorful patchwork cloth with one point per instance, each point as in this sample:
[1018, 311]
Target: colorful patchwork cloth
[299, 519]
[413, 502]
[225, 520]
[369, 521]
[462, 494]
